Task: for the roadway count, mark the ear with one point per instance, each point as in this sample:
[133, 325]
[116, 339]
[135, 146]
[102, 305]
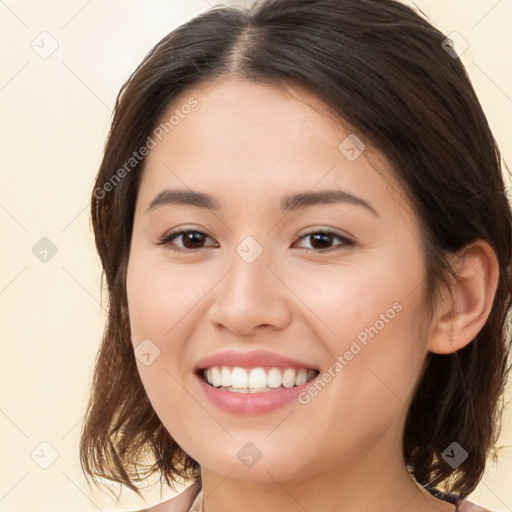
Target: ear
[466, 306]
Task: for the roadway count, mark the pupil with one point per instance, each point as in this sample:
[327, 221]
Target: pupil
[322, 238]
[193, 237]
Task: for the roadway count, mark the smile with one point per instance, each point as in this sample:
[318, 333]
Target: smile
[256, 380]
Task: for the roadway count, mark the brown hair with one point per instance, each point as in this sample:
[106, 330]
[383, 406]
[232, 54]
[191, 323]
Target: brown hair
[385, 71]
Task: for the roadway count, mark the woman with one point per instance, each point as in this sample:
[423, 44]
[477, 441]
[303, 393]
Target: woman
[304, 230]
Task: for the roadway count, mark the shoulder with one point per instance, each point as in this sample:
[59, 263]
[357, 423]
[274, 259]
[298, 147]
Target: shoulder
[467, 506]
[179, 503]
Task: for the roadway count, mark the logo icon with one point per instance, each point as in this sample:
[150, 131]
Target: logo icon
[44, 45]
[454, 455]
[44, 455]
[44, 250]
[352, 147]
[249, 455]
[146, 352]
[249, 249]
[455, 45]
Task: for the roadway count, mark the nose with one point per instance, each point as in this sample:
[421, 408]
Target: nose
[251, 297]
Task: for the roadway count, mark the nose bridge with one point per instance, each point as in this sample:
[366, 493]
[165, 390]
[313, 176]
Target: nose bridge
[248, 279]
[249, 294]
[251, 261]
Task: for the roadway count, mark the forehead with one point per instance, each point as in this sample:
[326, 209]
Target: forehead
[257, 138]
[240, 119]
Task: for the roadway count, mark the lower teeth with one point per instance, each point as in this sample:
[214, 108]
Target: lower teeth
[247, 390]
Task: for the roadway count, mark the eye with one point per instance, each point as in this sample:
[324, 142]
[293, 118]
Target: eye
[323, 238]
[191, 240]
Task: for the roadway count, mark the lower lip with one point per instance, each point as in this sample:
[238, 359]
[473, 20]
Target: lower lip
[251, 403]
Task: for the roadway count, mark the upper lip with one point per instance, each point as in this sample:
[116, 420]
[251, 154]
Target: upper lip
[252, 359]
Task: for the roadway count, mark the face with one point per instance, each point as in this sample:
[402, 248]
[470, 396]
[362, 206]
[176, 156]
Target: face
[335, 285]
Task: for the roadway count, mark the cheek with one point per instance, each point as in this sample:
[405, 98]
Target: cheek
[368, 320]
[160, 296]
[348, 298]
[164, 309]
[157, 300]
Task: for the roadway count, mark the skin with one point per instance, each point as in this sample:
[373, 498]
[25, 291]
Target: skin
[248, 144]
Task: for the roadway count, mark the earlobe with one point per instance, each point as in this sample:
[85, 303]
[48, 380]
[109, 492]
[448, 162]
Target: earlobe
[467, 305]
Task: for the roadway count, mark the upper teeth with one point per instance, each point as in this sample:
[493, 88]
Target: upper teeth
[256, 378]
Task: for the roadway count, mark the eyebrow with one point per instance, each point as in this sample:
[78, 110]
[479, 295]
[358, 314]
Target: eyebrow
[288, 203]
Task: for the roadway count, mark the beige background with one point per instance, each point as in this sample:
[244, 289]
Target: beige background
[55, 115]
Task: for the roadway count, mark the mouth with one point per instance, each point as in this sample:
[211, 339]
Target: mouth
[237, 379]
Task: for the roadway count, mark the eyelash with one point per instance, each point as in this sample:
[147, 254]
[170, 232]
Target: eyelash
[168, 237]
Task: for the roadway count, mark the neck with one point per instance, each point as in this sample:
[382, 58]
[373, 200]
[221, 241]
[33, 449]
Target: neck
[370, 481]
